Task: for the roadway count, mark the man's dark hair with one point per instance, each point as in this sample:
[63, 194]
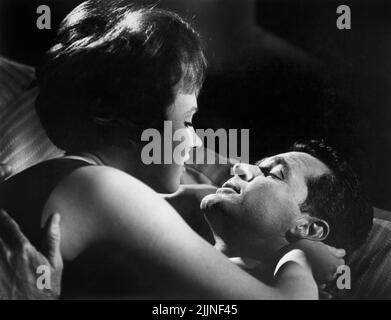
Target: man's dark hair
[113, 71]
[337, 197]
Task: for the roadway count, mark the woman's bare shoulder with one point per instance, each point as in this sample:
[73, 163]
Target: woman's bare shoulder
[101, 175]
[94, 201]
[94, 181]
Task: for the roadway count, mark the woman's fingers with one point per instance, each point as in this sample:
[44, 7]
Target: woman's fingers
[53, 241]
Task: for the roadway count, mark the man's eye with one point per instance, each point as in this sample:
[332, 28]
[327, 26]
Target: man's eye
[188, 124]
[267, 172]
[276, 176]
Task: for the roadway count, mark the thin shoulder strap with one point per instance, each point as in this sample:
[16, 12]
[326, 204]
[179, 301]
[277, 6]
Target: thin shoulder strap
[86, 157]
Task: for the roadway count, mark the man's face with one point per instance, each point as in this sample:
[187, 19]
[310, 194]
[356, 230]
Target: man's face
[254, 209]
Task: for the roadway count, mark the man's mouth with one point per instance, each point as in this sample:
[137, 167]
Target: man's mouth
[229, 188]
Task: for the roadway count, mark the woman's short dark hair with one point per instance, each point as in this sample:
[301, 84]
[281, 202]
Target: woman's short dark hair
[337, 197]
[113, 71]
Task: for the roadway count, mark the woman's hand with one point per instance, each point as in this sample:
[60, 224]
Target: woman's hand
[323, 259]
[19, 261]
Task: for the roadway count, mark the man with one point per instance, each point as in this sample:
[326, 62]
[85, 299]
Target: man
[308, 193]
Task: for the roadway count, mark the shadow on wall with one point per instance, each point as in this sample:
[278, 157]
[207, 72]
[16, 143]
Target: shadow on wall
[358, 61]
[20, 39]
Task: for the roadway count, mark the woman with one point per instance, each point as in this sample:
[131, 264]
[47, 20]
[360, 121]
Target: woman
[114, 72]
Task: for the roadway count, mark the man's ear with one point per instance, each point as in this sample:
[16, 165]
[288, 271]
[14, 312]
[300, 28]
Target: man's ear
[308, 227]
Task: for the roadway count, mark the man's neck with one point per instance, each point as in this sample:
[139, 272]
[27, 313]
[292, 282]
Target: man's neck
[260, 266]
[268, 258]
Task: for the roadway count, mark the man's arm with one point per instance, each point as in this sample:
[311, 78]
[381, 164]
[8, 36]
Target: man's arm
[19, 261]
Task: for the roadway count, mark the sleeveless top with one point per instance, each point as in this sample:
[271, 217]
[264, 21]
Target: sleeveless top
[24, 195]
[93, 273]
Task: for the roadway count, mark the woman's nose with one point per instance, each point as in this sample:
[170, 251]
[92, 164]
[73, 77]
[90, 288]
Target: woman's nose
[195, 141]
[245, 171]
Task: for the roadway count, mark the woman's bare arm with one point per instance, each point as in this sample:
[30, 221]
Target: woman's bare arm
[103, 204]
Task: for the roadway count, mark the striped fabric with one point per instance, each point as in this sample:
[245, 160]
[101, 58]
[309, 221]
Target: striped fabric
[371, 266]
[23, 141]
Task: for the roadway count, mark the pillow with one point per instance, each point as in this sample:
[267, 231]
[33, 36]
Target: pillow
[382, 214]
[23, 141]
[14, 79]
[370, 266]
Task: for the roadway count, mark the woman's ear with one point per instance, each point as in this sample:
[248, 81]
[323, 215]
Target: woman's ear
[308, 227]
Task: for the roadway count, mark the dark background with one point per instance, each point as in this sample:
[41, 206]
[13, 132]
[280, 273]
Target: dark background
[296, 76]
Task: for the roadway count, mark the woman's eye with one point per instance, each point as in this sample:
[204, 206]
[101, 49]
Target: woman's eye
[188, 124]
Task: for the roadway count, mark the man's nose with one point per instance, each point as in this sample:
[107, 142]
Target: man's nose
[245, 171]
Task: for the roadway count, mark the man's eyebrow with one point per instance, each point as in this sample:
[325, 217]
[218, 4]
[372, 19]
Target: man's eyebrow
[260, 161]
[280, 160]
[275, 161]
[284, 163]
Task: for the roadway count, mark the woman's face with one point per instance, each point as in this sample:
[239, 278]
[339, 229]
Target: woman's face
[180, 116]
